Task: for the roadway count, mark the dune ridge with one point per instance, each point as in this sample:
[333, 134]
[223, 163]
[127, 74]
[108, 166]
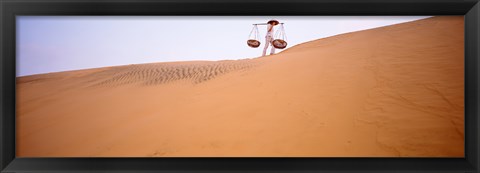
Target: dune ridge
[393, 91]
[154, 73]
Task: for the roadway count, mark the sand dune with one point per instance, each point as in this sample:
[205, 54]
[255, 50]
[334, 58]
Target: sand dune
[394, 91]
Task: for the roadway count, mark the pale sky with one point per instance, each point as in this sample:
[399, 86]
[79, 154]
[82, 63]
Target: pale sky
[61, 43]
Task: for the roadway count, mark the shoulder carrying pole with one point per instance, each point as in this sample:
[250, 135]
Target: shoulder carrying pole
[262, 23]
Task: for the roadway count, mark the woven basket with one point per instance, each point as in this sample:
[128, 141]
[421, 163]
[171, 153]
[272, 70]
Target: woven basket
[253, 43]
[279, 43]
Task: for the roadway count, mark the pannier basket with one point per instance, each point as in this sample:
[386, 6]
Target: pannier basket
[253, 43]
[279, 43]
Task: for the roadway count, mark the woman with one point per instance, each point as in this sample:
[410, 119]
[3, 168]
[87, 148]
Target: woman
[269, 37]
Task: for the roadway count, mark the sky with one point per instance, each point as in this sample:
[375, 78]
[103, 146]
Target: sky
[48, 44]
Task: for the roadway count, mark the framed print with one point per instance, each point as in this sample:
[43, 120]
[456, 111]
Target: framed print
[240, 86]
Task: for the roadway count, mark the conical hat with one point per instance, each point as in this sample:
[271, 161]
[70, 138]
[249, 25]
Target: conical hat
[273, 22]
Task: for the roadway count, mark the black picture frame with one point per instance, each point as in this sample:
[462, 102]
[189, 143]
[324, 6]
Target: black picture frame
[11, 8]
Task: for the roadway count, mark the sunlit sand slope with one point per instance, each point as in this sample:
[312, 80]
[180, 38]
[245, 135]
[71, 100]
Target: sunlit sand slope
[394, 91]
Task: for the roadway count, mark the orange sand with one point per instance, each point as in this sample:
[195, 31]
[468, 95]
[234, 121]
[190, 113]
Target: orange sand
[390, 91]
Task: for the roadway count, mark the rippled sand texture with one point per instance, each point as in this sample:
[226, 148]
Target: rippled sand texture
[394, 91]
